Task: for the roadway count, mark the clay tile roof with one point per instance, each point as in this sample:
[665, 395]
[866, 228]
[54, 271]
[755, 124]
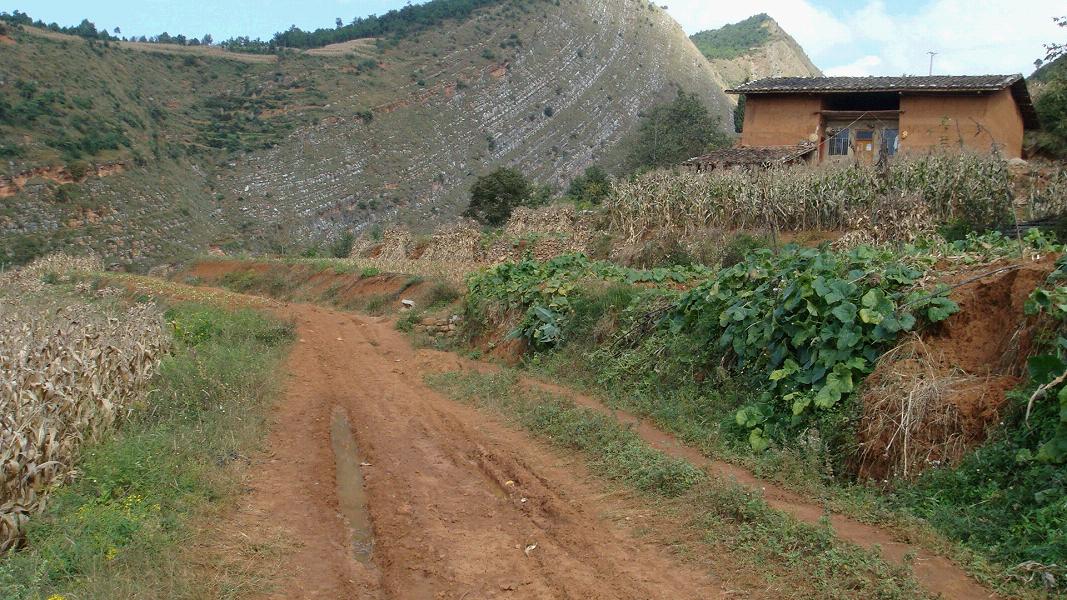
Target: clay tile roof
[753, 155]
[918, 84]
[933, 83]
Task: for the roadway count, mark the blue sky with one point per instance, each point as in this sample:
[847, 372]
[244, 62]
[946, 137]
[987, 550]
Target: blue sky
[859, 37]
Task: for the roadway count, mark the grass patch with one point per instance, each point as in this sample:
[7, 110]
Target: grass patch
[442, 294]
[118, 529]
[614, 451]
[722, 519]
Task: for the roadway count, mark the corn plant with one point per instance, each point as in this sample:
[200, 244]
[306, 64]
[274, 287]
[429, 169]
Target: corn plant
[898, 202]
[65, 377]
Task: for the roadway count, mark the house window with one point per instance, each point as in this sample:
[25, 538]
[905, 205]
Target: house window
[864, 135]
[890, 140]
[839, 143]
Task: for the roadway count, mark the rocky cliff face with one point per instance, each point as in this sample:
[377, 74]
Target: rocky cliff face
[583, 74]
[776, 55]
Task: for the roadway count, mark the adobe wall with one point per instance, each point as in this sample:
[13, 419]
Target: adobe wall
[780, 120]
[944, 121]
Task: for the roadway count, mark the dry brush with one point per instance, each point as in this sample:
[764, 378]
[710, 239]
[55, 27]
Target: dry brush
[66, 376]
[899, 201]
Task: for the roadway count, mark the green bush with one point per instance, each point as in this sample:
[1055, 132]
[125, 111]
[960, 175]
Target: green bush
[342, 246]
[78, 169]
[591, 187]
[672, 133]
[544, 291]
[441, 294]
[495, 195]
[67, 193]
[740, 247]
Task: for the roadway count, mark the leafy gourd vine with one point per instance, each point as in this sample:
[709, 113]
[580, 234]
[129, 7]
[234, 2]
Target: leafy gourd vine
[814, 320]
[544, 289]
[1049, 371]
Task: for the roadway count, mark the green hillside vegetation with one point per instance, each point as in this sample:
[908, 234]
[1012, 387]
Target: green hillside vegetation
[201, 146]
[1049, 71]
[86, 29]
[393, 24]
[70, 100]
[731, 41]
[1048, 85]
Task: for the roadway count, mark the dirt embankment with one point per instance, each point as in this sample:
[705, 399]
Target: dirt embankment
[306, 282]
[934, 397]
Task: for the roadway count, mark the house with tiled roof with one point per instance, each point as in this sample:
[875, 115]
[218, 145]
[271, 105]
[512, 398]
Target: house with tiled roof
[865, 119]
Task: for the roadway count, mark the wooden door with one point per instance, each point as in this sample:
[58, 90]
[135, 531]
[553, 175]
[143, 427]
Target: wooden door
[863, 146]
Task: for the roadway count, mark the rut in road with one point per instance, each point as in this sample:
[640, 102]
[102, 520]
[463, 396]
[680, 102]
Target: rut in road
[461, 506]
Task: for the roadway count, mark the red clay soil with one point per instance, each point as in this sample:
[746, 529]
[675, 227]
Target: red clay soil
[979, 354]
[462, 507]
[344, 289]
[213, 270]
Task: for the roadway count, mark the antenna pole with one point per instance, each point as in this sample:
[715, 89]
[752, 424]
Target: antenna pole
[932, 55]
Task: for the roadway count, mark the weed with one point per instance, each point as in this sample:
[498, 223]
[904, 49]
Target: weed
[411, 282]
[377, 305]
[408, 321]
[239, 281]
[442, 294]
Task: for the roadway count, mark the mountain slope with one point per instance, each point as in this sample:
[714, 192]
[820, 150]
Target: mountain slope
[752, 49]
[204, 148]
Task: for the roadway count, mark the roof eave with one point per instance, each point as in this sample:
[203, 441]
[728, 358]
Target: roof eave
[870, 91]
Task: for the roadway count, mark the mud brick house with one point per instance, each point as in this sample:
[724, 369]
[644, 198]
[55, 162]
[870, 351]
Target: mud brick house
[822, 119]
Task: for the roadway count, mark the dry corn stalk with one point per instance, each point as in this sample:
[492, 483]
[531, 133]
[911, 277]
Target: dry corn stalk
[910, 194]
[64, 378]
[30, 278]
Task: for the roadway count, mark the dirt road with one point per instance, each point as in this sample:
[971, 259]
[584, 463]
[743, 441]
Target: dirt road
[462, 507]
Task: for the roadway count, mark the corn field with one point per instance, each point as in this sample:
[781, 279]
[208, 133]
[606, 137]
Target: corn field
[65, 377]
[31, 278]
[902, 199]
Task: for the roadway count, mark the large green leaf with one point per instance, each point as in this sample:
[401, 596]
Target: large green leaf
[845, 312]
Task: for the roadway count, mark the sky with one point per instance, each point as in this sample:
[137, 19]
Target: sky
[842, 37]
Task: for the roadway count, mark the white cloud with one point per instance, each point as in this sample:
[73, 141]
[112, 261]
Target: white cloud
[866, 38]
[862, 66]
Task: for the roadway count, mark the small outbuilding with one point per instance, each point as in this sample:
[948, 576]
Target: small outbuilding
[865, 119]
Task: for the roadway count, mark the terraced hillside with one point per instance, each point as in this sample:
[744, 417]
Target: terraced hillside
[146, 152]
[752, 49]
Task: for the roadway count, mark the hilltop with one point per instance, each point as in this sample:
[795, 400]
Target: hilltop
[752, 49]
[144, 151]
